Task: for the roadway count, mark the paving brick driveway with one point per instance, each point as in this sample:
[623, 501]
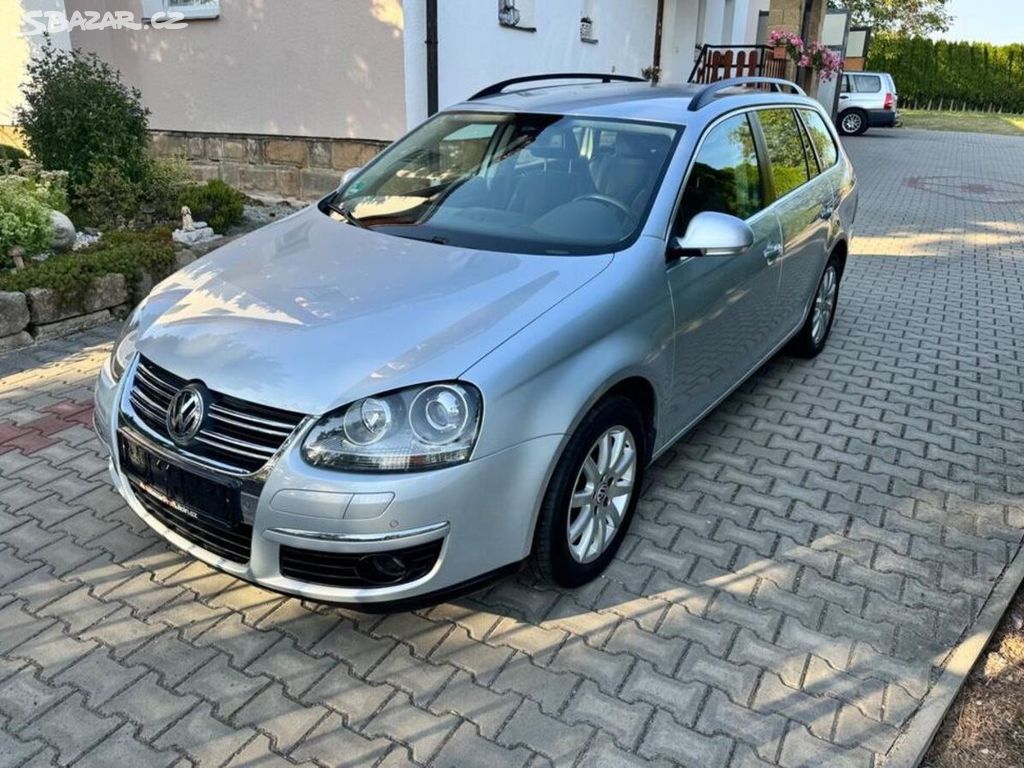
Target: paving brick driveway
[799, 570]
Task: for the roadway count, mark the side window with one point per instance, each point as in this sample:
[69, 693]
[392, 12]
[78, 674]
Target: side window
[845, 87]
[868, 83]
[821, 137]
[726, 177]
[785, 149]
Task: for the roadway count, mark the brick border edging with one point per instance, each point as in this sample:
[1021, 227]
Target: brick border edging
[911, 746]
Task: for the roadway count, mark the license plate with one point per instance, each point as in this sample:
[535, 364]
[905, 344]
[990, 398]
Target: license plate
[184, 492]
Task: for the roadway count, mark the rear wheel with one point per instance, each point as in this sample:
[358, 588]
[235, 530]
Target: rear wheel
[592, 495]
[815, 332]
[853, 122]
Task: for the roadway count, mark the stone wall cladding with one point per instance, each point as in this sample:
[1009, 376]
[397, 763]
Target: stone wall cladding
[288, 166]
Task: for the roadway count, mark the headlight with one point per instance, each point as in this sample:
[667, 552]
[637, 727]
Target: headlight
[124, 347]
[413, 429]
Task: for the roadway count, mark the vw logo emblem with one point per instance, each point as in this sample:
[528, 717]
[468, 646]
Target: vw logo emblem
[186, 413]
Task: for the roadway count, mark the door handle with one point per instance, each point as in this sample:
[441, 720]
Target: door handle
[772, 252]
[843, 97]
[827, 211]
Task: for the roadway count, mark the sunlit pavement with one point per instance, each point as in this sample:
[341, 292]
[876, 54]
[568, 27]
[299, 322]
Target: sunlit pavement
[800, 570]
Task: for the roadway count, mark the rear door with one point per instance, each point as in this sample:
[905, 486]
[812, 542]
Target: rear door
[804, 202]
[724, 305]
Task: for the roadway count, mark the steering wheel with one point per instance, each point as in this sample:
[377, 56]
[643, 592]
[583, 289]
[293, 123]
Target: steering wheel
[607, 200]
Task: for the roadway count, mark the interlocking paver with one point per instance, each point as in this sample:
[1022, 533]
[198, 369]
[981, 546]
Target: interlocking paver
[798, 564]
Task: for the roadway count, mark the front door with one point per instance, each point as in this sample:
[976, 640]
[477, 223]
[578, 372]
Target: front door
[723, 305]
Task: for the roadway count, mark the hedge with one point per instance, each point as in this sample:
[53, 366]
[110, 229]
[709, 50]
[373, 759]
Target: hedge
[933, 74]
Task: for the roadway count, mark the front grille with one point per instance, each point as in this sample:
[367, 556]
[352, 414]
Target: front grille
[340, 569]
[232, 543]
[238, 437]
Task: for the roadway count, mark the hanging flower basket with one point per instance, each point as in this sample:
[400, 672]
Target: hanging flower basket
[825, 62]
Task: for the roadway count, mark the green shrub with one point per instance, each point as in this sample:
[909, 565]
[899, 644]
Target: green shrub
[107, 199]
[111, 200]
[218, 204]
[8, 152]
[24, 216]
[79, 116]
[166, 179]
[133, 254]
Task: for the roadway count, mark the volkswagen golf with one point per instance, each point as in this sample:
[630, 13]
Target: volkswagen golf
[468, 354]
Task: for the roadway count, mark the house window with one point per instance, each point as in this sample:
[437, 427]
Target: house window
[189, 9]
[517, 14]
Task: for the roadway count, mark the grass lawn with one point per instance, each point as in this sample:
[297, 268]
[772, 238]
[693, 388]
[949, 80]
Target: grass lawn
[973, 122]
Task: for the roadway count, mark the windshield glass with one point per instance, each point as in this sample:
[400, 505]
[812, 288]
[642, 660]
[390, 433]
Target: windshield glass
[514, 182]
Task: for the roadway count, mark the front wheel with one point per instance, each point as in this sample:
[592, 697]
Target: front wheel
[592, 495]
[814, 334]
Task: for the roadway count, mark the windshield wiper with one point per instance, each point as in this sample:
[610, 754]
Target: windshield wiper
[346, 214]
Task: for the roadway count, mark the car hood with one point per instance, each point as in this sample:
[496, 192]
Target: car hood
[308, 313]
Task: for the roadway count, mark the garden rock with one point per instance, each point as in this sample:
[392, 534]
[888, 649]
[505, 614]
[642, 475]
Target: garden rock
[201, 234]
[63, 238]
[85, 239]
[45, 306]
[14, 314]
[15, 341]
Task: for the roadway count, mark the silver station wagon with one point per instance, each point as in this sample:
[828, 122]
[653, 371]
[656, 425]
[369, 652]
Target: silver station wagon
[467, 355]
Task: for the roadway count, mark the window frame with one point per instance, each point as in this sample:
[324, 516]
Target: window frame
[857, 77]
[759, 150]
[776, 197]
[835, 145]
[771, 198]
[193, 12]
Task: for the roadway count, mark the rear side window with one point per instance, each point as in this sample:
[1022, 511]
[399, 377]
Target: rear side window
[726, 177]
[821, 137]
[782, 136]
[867, 83]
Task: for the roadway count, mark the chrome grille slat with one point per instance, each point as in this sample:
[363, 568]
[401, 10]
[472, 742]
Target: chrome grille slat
[258, 421]
[239, 438]
[154, 382]
[236, 446]
[281, 433]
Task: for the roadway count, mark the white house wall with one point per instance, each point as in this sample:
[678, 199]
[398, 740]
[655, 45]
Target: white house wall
[280, 67]
[474, 50]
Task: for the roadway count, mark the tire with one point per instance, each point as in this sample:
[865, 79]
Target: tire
[853, 122]
[813, 336]
[560, 552]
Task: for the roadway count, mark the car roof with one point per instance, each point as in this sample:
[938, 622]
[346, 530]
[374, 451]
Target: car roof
[664, 103]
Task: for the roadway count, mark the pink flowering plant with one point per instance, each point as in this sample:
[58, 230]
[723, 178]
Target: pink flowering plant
[815, 56]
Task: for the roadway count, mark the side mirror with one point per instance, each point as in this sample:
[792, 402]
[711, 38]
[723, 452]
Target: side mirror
[714, 234]
[346, 177]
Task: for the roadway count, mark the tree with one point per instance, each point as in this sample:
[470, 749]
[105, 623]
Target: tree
[910, 17]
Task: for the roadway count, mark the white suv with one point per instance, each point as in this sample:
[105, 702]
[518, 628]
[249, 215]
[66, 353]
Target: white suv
[867, 100]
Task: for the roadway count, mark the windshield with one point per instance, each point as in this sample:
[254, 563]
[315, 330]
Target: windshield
[514, 182]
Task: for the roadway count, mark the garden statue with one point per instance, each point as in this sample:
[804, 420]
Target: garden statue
[186, 219]
[17, 254]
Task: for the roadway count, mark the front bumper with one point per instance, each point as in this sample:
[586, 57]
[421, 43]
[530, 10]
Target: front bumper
[481, 512]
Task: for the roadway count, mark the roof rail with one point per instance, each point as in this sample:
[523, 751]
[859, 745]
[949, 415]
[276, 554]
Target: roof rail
[708, 92]
[499, 88]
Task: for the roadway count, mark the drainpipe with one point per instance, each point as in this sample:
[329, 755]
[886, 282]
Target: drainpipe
[658, 24]
[432, 99]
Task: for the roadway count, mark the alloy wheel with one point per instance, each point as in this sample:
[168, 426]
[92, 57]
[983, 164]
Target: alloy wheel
[852, 122]
[601, 494]
[824, 305]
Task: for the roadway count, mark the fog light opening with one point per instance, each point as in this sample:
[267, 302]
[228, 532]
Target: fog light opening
[383, 568]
